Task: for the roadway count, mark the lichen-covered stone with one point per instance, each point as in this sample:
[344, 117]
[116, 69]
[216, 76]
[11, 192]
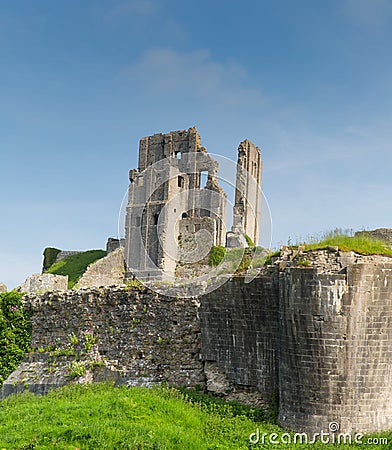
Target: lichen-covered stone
[107, 271]
[39, 283]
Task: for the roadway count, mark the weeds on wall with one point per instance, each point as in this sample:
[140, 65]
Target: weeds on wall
[50, 255]
[346, 241]
[15, 332]
[217, 253]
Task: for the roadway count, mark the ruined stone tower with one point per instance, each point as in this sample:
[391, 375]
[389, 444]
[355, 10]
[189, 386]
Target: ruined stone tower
[170, 215]
[248, 196]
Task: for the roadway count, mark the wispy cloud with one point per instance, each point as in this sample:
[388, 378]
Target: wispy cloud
[368, 14]
[193, 75]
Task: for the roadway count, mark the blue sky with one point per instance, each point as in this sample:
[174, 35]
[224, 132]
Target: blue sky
[309, 81]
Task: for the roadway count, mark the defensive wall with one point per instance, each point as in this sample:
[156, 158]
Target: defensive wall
[319, 334]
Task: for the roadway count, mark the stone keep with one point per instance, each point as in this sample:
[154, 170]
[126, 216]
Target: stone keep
[171, 217]
[166, 202]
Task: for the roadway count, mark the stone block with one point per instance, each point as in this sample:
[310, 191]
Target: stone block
[37, 283]
[107, 271]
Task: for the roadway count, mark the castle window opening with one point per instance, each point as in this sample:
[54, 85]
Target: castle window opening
[203, 179]
[181, 182]
[178, 155]
[184, 215]
[156, 218]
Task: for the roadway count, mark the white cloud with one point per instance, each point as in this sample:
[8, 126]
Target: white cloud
[193, 76]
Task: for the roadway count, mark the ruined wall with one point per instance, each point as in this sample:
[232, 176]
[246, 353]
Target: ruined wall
[146, 337]
[164, 190]
[239, 336]
[383, 234]
[39, 283]
[324, 338]
[335, 348]
[65, 254]
[248, 195]
[107, 271]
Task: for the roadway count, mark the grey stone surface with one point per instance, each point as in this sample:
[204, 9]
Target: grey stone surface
[239, 332]
[65, 253]
[3, 287]
[113, 244]
[383, 234]
[248, 194]
[235, 239]
[39, 283]
[139, 334]
[166, 200]
[165, 191]
[107, 271]
[335, 355]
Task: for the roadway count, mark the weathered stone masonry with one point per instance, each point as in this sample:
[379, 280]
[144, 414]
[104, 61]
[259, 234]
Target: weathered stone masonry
[239, 333]
[335, 360]
[324, 340]
[142, 335]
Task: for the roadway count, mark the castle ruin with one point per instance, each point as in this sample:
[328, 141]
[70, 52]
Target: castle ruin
[171, 216]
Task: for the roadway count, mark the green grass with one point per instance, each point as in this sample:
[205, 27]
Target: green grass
[50, 255]
[15, 332]
[363, 245]
[106, 417]
[75, 265]
[217, 253]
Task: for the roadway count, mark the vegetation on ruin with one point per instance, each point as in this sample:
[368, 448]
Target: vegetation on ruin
[15, 332]
[101, 416]
[50, 255]
[346, 241]
[134, 283]
[75, 265]
[217, 253]
[249, 241]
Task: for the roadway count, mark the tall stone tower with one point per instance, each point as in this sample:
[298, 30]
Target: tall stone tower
[171, 217]
[248, 196]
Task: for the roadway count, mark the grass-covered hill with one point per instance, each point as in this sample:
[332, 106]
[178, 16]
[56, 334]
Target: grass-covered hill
[105, 417]
[361, 243]
[75, 265]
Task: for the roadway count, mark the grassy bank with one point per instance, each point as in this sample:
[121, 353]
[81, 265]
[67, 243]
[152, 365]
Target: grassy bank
[75, 265]
[362, 244]
[105, 417]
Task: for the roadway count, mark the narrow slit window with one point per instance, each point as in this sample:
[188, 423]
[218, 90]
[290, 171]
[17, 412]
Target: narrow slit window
[203, 179]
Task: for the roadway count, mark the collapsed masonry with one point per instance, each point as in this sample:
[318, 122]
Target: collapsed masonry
[172, 218]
